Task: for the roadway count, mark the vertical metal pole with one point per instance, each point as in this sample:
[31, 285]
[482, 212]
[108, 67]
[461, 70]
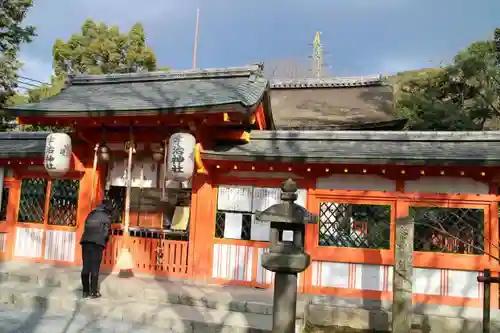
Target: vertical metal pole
[94, 176]
[486, 300]
[128, 188]
[284, 303]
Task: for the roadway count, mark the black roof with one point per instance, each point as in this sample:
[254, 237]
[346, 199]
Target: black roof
[366, 147]
[343, 147]
[152, 93]
[22, 144]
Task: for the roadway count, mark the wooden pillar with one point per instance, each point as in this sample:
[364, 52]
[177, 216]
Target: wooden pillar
[84, 206]
[311, 238]
[12, 209]
[492, 248]
[202, 226]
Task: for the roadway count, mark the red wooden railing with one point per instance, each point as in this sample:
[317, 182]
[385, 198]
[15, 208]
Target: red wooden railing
[151, 256]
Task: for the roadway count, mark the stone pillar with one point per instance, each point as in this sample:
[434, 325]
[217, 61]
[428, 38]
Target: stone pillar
[284, 302]
[403, 276]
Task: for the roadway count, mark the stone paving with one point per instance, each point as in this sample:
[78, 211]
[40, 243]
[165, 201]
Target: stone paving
[15, 321]
[184, 306]
[112, 285]
[172, 306]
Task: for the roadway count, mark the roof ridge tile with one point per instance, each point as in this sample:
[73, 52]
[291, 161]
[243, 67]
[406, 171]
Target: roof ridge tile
[173, 75]
[328, 82]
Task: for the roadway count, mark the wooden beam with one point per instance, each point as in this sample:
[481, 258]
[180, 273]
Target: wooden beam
[260, 118]
[171, 120]
[149, 135]
[200, 167]
[232, 135]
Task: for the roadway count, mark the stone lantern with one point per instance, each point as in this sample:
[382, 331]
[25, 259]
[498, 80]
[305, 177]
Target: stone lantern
[286, 258]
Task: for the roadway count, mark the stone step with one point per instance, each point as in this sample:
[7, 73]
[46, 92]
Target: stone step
[174, 317]
[144, 300]
[146, 289]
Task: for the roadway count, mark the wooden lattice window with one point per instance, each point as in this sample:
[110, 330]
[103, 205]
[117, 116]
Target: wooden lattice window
[116, 195]
[448, 230]
[32, 201]
[62, 196]
[355, 225]
[63, 202]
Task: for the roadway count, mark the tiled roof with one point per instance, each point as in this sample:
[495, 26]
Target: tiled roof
[148, 93]
[347, 147]
[331, 103]
[367, 147]
[22, 144]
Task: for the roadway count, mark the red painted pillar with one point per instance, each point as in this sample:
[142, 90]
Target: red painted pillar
[202, 226]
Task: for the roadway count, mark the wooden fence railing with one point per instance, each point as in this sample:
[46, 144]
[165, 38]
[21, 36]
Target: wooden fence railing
[160, 257]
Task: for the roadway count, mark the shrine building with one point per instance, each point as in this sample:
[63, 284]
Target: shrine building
[210, 148]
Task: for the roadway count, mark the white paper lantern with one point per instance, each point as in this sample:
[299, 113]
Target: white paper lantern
[57, 159]
[180, 158]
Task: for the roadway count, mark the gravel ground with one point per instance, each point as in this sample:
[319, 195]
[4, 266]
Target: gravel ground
[15, 321]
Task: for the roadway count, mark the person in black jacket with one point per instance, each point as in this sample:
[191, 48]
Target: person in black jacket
[93, 242]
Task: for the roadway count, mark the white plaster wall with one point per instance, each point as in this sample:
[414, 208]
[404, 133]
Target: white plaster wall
[356, 182]
[229, 262]
[28, 242]
[235, 263]
[60, 245]
[463, 284]
[373, 277]
[331, 274]
[449, 185]
[380, 278]
[369, 277]
[263, 275]
[427, 281]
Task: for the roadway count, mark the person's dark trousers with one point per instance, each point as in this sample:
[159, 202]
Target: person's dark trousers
[92, 257]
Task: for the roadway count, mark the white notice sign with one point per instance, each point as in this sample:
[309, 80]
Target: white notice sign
[235, 198]
[265, 197]
[232, 226]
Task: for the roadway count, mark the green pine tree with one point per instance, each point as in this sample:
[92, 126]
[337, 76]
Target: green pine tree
[13, 33]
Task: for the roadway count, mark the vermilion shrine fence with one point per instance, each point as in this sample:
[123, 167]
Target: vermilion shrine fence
[351, 247]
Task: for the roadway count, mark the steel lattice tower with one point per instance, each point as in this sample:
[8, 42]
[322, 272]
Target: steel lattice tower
[317, 57]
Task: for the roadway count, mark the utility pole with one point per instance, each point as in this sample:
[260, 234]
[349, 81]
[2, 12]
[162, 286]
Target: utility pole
[317, 57]
[195, 47]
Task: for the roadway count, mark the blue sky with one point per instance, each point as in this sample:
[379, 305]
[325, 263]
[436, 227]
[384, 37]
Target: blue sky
[360, 37]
